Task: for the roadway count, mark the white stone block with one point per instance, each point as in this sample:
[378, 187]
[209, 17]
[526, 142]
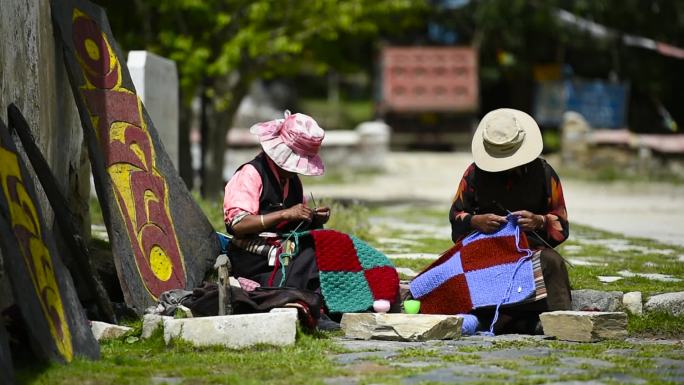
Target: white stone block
[632, 302]
[584, 326]
[156, 82]
[672, 303]
[235, 331]
[104, 331]
[401, 327]
[151, 322]
[289, 310]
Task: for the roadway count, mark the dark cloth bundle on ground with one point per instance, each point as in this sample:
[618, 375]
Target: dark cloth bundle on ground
[352, 274]
[203, 301]
[480, 271]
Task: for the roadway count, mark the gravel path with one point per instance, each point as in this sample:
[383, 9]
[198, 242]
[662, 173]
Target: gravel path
[630, 208]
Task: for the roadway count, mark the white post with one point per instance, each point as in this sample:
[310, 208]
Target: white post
[156, 81]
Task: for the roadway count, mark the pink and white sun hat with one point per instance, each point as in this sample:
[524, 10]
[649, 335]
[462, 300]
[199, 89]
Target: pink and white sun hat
[292, 143]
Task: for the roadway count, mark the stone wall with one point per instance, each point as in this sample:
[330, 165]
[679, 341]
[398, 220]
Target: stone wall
[32, 76]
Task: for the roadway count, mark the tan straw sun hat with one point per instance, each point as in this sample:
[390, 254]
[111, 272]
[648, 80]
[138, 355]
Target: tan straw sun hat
[506, 138]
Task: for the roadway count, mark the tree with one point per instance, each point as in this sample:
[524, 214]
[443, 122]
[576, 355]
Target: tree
[222, 46]
[528, 32]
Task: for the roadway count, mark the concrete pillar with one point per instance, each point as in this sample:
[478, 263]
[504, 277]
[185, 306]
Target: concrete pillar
[156, 81]
[374, 139]
[574, 136]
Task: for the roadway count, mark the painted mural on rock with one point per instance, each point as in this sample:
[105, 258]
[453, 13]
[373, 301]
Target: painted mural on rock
[75, 255]
[41, 285]
[160, 238]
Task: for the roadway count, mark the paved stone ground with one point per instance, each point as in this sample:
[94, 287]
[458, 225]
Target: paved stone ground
[510, 359]
[626, 208]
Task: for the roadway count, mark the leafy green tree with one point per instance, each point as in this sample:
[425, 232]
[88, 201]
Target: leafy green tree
[222, 46]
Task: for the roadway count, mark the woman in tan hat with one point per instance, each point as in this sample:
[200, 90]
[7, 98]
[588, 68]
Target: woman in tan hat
[264, 199]
[509, 178]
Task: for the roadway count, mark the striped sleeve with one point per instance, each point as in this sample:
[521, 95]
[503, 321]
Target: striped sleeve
[463, 206]
[557, 225]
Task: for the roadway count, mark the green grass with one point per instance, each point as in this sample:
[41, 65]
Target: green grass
[213, 209]
[135, 363]
[656, 324]
[642, 256]
[350, 218]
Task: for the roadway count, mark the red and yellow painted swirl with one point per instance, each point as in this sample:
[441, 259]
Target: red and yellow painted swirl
[142, 193]
[25, 223]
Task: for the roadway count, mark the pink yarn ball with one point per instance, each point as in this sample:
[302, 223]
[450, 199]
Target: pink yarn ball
[381, 306]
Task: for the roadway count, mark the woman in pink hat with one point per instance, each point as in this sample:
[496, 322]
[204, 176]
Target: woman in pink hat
[264, 199]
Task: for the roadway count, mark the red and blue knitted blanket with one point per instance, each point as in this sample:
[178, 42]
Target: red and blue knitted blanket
[482, 270]
[352, 273]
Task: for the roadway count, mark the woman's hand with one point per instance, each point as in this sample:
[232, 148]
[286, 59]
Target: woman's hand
[487, 223]
[321, 215]
[529, 221]
[298, 212]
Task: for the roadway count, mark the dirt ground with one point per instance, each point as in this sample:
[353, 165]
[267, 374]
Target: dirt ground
[631, 208]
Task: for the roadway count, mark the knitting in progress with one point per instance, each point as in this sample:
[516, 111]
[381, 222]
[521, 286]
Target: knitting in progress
[353, 275]
[481, 270]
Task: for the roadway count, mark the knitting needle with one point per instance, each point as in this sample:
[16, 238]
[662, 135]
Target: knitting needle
[313, 200]
[302, 222]
[533, 232]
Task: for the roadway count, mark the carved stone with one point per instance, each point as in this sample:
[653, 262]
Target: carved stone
[160, 238]
[76, 255]
[42, 286]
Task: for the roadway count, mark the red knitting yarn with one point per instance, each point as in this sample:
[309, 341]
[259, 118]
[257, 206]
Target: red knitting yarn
[335, 252]
[383, 282]
[442, 258]
[451, 297]
[493, 251]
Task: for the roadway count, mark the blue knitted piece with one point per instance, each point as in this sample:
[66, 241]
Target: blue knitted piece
[509, 229]
[488, 287]
[490, 284]
[425, 283]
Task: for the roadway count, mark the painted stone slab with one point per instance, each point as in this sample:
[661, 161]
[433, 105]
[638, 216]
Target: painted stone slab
[42, 286]
[78, 262]
[6, 371]
[160, 238]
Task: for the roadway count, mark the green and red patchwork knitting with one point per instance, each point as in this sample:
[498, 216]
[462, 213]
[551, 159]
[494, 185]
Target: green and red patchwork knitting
[352, 273]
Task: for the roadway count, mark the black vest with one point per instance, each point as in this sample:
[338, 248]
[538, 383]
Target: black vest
[271, 198]
[498, 190]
